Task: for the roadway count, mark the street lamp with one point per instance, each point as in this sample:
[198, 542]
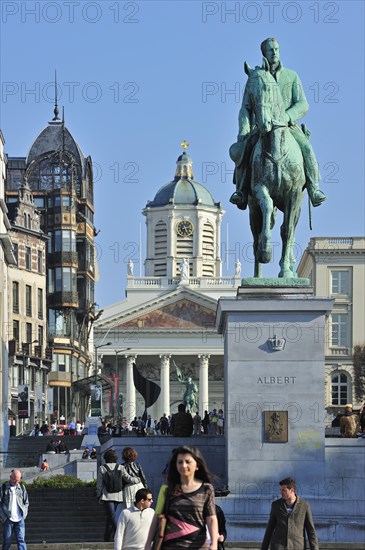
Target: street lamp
[117, 380]
[96, 359]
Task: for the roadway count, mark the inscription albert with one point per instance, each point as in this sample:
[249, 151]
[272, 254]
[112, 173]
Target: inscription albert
[276, 380]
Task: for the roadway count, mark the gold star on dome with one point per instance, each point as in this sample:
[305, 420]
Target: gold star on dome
[184, 144]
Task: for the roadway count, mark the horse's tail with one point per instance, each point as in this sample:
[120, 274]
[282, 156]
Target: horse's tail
[310, 213]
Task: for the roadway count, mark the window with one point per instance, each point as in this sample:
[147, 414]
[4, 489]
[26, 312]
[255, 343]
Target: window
[50, 281]
[16, 251]
[49, 242]
[58, 324]
[28, 329]
[40, 303]
[339, 333]
[68, 241]
[340, 282]
[39, 202]
[40, 335]
[58, 241]
[28, 258]
[16, 330]
[62, 362]
[28, 300]
[40, 261]
[339, 389]
[15, 297]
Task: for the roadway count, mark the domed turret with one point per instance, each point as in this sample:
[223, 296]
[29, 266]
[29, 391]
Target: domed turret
[183, 189]
[183, 225]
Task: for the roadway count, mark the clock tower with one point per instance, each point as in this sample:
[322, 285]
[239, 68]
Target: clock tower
[183, 223]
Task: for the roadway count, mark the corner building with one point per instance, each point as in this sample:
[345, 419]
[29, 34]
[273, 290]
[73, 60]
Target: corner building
[61, 181]
[336, 268]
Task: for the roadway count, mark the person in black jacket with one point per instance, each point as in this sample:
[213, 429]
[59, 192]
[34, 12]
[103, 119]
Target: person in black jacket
[133, 468]
[182, 423]
[221, 527]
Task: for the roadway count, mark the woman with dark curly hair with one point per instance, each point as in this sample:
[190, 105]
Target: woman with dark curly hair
[187, 501]
[133, 468]
[112, 501]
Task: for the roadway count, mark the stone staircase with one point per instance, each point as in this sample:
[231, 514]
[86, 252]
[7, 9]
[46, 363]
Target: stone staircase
[24, 451]
[64, 516]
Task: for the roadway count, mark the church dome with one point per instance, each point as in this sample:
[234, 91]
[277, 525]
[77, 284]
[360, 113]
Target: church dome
[183, 189]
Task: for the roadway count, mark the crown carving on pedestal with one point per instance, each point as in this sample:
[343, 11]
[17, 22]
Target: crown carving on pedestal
[275, 343]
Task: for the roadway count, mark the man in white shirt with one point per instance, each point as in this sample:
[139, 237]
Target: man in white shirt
[14, 505]
[134, 523]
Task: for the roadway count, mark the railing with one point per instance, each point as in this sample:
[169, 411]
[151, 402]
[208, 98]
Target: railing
[200, 282]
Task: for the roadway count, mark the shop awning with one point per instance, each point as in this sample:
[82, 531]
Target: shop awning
[84, 385]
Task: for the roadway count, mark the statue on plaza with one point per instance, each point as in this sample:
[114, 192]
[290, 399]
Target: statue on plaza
[274, 160]
[191, 390]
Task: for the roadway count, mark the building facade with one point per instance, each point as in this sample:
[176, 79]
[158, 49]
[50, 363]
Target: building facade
[336, 268]
[168, 316]
[61, 181]
[6, 259]
[30, 358]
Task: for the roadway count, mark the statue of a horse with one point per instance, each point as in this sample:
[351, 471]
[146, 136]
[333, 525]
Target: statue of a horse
[277, 172]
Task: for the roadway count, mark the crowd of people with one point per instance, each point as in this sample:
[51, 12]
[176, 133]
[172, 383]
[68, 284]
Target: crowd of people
[212, 423]
[186, 515]
[62, 428]
[56, 446]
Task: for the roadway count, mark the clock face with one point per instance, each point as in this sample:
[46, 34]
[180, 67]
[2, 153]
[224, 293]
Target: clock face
[184, 228]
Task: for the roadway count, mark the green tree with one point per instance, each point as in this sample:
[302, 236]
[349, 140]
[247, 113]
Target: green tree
[359, 372]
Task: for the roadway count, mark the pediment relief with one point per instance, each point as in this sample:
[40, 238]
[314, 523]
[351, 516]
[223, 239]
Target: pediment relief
[182, 314]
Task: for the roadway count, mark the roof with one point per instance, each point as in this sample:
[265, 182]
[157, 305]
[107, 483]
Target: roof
[53, 138]
[182, 191]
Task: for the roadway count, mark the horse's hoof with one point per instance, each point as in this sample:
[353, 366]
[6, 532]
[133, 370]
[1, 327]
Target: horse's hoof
[286, 274]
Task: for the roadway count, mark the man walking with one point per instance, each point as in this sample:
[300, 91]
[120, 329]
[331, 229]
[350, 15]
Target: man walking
[290, 519]
[14, 505]
[134, 523]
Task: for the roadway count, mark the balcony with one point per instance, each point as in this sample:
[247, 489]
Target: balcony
[62, 258]
[70, 299]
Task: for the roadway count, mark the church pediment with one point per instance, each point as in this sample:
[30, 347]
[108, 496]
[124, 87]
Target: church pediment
[179, 315]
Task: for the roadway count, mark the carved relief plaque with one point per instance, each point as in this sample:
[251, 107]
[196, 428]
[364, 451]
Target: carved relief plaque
[276, 426]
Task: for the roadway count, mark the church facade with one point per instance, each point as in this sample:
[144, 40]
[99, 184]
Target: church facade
[168, 317]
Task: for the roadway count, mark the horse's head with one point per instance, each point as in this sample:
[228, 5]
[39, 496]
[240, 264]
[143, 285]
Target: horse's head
[265, 97]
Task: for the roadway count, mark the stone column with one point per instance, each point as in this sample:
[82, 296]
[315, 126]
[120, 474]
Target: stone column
[129, 407]
[203, 383]
[165, 384]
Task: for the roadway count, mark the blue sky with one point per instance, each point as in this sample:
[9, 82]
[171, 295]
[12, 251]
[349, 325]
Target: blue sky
[136, 78]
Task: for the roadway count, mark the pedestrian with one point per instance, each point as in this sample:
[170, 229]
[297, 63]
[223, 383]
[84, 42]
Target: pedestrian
[134, 523]
[187, 501]
[112, 498]
[164, 424]
[213, 419]
[220, 423]
[290, 518]
[45, 465]
[86, 453]
[14, 504]
[206, 422]
[197, 423]
[181, 423]
[133, 468]
[348, 423]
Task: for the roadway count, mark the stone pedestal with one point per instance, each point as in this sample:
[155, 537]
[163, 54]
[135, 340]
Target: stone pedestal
[274, 389]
